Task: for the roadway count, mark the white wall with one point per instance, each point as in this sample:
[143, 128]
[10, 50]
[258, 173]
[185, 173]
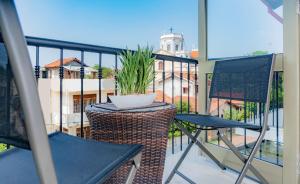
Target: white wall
[50, 96]
[45, 98]
[74, 85]
[177, 87]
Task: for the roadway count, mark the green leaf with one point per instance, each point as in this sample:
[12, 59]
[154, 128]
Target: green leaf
[137, 72]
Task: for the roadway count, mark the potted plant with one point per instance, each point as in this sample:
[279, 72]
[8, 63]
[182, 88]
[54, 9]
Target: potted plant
[134, 79]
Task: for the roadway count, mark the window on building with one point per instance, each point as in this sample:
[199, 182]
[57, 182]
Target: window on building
[76, 75]
[185, 90]
[44, 74]
[168, 47]
[176, 47]
[87, 100]
[160, 65]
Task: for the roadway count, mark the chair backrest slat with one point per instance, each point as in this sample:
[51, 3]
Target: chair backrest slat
[244, 79]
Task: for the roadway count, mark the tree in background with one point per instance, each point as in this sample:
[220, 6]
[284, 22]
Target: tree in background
[273, 102]
[259, 52]
[107, 73]
[2, 147]
[184, 106]
[237, 115]
[190, 127]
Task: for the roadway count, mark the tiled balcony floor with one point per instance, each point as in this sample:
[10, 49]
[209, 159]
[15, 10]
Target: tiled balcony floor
[200, 169]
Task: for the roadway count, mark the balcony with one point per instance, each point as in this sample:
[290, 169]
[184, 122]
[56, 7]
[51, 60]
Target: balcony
[66, 89]
[175, 82]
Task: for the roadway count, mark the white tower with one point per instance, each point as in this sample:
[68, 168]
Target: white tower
[173, 43]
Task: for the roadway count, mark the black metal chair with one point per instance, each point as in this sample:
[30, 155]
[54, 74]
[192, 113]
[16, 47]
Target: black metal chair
[37, 158]
[246, 79]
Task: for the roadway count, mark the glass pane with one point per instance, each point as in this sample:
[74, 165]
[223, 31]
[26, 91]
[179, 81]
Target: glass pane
[240, 28]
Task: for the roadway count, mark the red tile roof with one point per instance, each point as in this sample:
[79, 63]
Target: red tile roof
[194, 54]
[214, 104]
[168, 99]
[56, 63]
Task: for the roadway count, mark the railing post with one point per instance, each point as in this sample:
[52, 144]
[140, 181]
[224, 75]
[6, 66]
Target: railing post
[61, 77]
[196, 88]
[163, 78]
[245, 131]
[100, 77]
[181, 78]
[116, 71]
[7, 98]
[173, 130]
[277, 115]
[188, 79]
[206, 102]
[153, 88]
[230, 117]
[218, 116]
[81, 93]
[37, 64]
[172, 75]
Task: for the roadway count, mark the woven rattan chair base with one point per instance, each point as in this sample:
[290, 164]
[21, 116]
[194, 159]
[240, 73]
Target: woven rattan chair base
[147, 128]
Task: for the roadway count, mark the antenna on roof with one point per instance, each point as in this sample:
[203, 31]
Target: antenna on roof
[171, 30]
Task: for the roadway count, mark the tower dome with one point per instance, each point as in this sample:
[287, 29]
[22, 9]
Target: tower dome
[173, 43]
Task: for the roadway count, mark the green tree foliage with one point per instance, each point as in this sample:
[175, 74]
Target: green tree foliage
[280, 93]
[2, 147]
[184, 106]
[107, 73]
[190, 127]
[237, 115]
[259, 52]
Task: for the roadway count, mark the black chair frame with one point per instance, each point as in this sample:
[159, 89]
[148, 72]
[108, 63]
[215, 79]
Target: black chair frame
[226, 124]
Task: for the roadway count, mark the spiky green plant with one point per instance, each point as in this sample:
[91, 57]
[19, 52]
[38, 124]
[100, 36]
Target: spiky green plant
[137, 71]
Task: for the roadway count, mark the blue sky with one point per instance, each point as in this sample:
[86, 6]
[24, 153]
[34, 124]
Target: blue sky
[235, 27]
[117, 23]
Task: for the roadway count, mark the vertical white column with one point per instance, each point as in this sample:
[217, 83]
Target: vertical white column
[202, 36]
[292, 91]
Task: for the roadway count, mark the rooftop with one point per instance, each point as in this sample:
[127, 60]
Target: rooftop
[56, 63]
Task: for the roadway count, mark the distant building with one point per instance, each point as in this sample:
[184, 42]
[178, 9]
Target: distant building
[49, 90]
[177, 88]
[173, 44]
[194, 54]
[71, 67]
[49, 85]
